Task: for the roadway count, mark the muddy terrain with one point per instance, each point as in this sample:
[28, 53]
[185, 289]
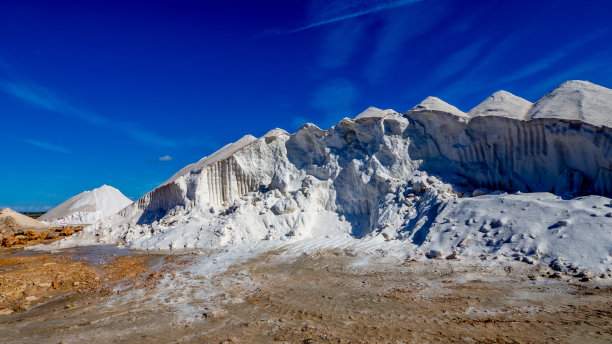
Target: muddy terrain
[323, 297]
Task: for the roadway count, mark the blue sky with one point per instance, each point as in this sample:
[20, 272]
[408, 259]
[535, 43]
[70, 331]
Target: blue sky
[127, 93]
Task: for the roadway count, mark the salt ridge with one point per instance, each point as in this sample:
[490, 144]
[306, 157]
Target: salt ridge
[402, 183]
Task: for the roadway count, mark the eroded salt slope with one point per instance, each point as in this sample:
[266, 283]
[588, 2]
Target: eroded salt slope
[88, 207]
[393, 180]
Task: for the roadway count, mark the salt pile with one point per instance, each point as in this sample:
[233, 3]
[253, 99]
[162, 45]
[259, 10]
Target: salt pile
[88, 207]
[12, 221]
[432, 182]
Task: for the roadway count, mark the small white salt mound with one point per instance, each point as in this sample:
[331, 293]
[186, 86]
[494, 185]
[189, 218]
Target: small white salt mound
[375, 112]
[502, 103]
[11, 220]
[88, 207]
[437, 104]
[576, 100]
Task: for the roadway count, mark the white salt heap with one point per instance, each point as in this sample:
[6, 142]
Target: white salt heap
[502, 103]
[88, 207]
[12, 221]
[403, 183]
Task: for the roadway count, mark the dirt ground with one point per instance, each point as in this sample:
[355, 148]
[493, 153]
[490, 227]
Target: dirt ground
[28, 279]
[328, 297]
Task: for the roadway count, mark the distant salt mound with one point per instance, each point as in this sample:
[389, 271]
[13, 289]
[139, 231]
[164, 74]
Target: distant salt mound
[375, 112]
[12, 221]
[502, 103]
[88, 207]
[437, 104]
[576, 100]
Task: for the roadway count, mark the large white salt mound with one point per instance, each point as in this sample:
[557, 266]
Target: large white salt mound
[576, 100]
[437, 104]
[502, 103]
[88, 207]
[375, 112]
[397, 182]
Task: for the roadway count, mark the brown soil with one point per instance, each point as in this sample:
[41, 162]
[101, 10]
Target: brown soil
[26, 281]
[328, 297]
[323, 299]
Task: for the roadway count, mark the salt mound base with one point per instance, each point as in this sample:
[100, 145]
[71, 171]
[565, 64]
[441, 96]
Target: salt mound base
[88, 207]
[506, 182]
[12, 221]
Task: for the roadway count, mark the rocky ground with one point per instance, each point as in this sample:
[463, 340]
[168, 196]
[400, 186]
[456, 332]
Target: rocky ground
[327, 296]
[19, 236]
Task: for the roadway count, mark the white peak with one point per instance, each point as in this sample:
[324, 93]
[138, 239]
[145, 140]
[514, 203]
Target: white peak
[22, 221]
[502, 103]
[88, 206]
[576, 100]
[276, 132]
[375, 112]
[437, 104]
[578, 84]
[223, 153]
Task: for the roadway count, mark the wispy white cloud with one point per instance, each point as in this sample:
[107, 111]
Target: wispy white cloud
[340, 44]
[478, 78]
[595, 65]
[333, 12]
[46, 146]
[553, 58]
[460, 60]
[165, 158]
[398, 28]
[41, 97]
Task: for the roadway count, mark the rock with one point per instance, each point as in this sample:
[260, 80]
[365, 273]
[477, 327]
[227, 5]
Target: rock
[6, 311]
[560, 223]
[212, 313]
[21, 239]
[32, 235]
[498, 223]
[55, 284]
[66, 232]
[9, 241]
[528, 260]
[420, 186]
[44, 285]
[609, 215]
[284, 206]
[434, 254]
[31, 298]
[586, 275]
[480, 192]
[453, 256]
[463, 242]
[558, 264]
